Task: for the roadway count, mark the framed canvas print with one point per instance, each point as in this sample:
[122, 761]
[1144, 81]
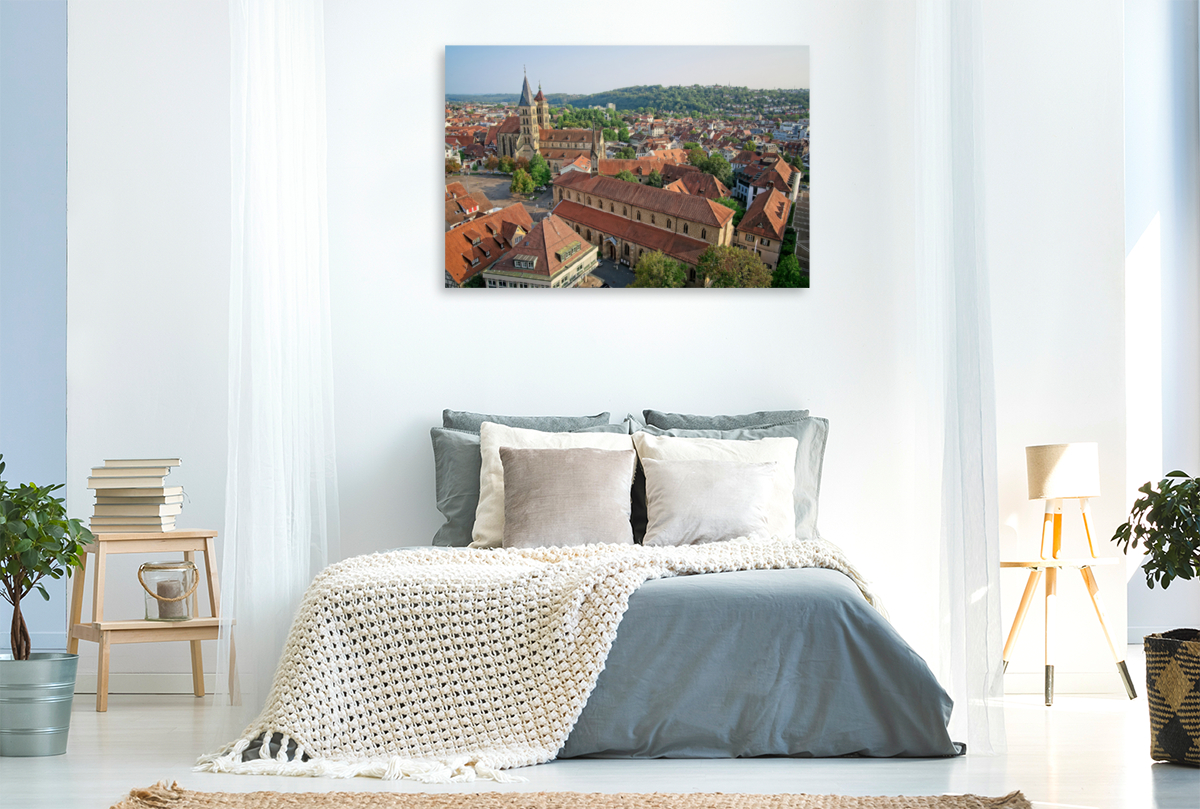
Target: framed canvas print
[626, 167]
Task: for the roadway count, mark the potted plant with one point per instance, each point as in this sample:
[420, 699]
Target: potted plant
[1166, 522]
[36, 688]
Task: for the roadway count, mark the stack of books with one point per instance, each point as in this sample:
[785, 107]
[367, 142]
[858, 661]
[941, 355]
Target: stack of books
[132, 496]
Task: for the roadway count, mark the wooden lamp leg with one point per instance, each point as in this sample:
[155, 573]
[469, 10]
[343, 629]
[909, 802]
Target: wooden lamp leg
[1048, 517]
[1035, 576]
[1086, 512]
[1093, 588]
[1051, 604]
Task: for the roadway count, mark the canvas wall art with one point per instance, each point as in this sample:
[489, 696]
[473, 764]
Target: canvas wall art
[627, 167]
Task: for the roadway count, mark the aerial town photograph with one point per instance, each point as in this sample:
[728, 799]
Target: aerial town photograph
[618, 167]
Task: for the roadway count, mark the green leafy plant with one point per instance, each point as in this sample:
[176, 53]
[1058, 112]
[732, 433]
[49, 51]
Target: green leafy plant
[36, 540]
[1166, 521]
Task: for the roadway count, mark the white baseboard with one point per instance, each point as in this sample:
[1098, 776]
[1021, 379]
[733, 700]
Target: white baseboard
[1065, 682]
[144, 683]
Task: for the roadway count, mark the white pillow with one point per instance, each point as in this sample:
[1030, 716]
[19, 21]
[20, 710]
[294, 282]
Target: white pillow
[489, 514]
[781, 516]
[691, 502]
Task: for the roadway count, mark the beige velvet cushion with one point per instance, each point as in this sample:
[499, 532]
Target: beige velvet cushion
[781, 514]
[566, 496]
[488, 531]
[689, 502]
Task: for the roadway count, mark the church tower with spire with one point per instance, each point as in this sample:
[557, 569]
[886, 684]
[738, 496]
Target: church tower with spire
[529, 139]
[543, 109]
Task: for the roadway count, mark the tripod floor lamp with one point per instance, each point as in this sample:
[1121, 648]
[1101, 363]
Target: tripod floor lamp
[1059, 472]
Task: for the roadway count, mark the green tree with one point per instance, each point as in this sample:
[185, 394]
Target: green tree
[627, 176]
[521, 163]
[739, 210]
[691, 144]
[749, 146]
[452, 166]
[522, 183]
[623, 134]
[610, 134]
[727, 266]
[655, 179]
[719, 167]
[475, 282]
[539, 170]
[656, 270]
[787, 274]
[789, 242]
[506, 165]
[628, 153]
[697, 157]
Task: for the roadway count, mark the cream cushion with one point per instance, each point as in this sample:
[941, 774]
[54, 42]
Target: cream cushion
[489, 514]
[566, 497]
[691, 502]
[781, 516]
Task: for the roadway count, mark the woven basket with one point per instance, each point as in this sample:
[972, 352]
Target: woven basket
[1173, 692]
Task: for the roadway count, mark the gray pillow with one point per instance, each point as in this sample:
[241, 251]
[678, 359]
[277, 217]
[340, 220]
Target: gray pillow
[463, 420]
[456, 463]
[684, 421]
[811, 433]
[696, 501]
[565, 497]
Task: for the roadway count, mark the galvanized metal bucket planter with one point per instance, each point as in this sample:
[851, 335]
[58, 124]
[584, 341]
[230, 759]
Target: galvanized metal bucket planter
[35, 703]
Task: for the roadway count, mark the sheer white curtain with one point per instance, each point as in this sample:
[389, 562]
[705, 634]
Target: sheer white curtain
[957, 428]
[281, 509]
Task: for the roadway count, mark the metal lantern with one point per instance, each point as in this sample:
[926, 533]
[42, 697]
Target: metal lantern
[169, 587]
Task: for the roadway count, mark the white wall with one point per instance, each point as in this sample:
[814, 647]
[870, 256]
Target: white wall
[1162, 242]
[149, 240]
[148, 247]
[1055, 213]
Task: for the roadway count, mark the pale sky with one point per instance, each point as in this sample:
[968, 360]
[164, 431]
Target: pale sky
[583, 69]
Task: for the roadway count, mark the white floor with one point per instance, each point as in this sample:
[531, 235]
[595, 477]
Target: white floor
[1083, 752]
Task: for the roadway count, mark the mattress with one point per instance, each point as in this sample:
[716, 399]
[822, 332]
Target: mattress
[760, 663]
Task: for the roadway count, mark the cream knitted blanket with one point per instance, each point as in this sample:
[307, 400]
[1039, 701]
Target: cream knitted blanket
[447, 666]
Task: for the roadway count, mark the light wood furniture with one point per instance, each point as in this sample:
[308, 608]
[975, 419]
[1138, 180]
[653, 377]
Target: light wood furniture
[1051, 567]
[106, 633]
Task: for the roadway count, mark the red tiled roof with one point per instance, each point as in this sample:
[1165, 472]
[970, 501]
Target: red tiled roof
[683, 206]
[543, 243]
[640, 167]
[563, 154]
[579, 136]
[699, 184]
[455, 190]
[770, 171]
[672, 155]
[580, 162]
[671, 173]
[767, 216]
[462, 208]
[682, 248]
[495, 232]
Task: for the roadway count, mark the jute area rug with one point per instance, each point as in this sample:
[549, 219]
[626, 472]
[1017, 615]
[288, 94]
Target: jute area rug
[162, 796]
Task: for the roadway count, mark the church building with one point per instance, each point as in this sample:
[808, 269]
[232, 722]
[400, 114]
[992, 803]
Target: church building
[529, 132]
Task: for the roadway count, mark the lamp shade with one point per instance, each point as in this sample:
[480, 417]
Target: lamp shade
[1063, 470]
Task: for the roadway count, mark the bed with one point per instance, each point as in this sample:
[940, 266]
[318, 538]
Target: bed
[760, 663]
[572, 641]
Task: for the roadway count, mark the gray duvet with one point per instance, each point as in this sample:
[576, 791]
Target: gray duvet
[760, 663]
